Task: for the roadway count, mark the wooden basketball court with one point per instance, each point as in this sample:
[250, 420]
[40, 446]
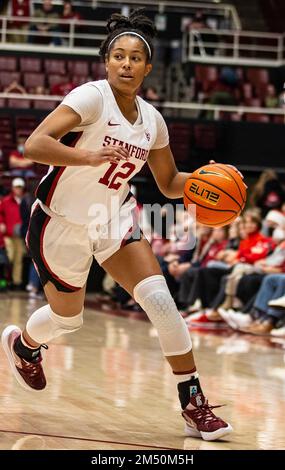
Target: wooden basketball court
[110, 388]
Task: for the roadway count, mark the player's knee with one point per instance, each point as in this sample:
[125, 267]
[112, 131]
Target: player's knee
[44, 325]
[62, 325]
[154, 297]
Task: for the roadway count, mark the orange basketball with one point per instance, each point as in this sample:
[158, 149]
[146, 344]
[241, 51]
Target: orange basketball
[218, 192]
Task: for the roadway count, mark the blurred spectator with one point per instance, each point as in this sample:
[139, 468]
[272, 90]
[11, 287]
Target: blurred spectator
[63, 87]
[19, 165]
[223, 91]
[267, 193]
[15, 87]
[213, 276]
[150, 94]
[271, 99]
[10, 220]
[20, 9]
[48, 31]
[274, 225]
[253, 248]
[40, 90]
[68, 13]
[198, 23]
[267, 313]
[189, 289]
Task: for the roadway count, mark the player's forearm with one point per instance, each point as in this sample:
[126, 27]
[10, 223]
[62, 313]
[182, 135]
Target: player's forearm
[48, 151]
[175, 188]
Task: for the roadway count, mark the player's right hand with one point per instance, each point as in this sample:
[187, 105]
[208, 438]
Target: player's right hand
[110, 153]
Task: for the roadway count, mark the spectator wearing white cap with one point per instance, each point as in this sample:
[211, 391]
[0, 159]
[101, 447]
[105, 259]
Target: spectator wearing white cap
[10, 223]
[274, 225]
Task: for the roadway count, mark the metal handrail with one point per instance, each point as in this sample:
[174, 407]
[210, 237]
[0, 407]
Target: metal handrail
[70, 36]
[195, 47]
[168, 105]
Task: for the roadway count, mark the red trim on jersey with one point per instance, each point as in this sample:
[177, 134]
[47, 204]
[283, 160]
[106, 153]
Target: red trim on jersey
[135, 215]
[65, 284]
[28, 231]
[53, 186]
[66, 140]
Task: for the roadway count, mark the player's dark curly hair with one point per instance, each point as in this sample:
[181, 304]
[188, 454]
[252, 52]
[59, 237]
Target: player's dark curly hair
[137, 22]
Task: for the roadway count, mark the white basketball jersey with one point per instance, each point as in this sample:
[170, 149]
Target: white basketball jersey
[73, 191]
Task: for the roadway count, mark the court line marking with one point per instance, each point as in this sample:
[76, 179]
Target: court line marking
[87, 439]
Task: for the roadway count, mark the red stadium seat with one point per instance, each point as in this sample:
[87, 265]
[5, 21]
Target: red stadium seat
[257, 76]
[32, 80]
[8, 64]
[54, 80]
[26, 120]
[6, 150]
[45, 104]
[254, 117]
[203, 72]
[2, 102]
[255, 102]
[6, 78]
[6, 121]
[30, 64]
[180, 134]
[25, 124]
[6, 138]
[79, 79]
[19, 103]
[278, 119]
[205, 136]
[98, 71]
[55, 66]
[78, 67]
[23, 133]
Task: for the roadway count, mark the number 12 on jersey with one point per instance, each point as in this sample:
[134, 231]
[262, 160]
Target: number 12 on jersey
[110, 180]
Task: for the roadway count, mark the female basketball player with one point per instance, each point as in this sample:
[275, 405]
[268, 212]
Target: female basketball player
[96, 140]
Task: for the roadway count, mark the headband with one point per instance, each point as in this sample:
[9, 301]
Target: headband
[134, 34]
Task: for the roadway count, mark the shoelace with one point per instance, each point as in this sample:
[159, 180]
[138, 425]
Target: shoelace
[205, 411]
[32, 367]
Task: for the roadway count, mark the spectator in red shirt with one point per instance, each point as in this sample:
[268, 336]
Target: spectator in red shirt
[68, 14]
[19, 165]
[20, 9]
[10, 226]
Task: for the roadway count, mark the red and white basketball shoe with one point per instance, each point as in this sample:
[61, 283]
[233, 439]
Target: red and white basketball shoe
[30, 375]
[201, 421]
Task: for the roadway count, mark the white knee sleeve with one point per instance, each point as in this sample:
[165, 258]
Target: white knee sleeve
[45, 325]
[154, 297]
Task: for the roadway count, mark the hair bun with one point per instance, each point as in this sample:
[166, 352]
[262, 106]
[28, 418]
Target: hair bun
[143, 23]
[118, 21]
[136, 20]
